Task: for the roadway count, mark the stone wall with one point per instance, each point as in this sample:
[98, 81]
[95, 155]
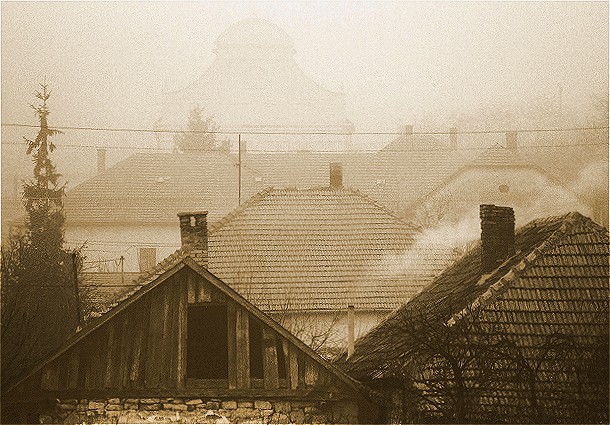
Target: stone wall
[197, 410]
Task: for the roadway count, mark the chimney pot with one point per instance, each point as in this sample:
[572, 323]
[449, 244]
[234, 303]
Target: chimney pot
[453, 139]
[336, 176]
[101, 160]
[511, 140]
[497, 236]
[147, 258]
[194, 232]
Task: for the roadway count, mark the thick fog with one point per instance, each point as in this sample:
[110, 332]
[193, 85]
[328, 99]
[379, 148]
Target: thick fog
[397, 62]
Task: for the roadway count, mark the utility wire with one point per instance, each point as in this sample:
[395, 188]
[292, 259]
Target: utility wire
[317, 151]
[296, 133]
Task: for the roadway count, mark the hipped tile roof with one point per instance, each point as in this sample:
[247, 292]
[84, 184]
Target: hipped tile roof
[151, 187]
[322, 249]
[558, 280]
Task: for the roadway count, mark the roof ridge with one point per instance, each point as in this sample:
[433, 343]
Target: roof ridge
[384, 208]
[257, 197]
[568, 221]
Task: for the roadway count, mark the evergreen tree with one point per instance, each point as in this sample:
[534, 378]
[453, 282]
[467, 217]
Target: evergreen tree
[199, 135]
[39, 296]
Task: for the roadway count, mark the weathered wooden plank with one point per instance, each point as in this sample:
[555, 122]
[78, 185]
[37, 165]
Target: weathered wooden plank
[125, 354]
[286, 354]
[293, 368]
[243, 348]
[311, 373]
[98, 359]
[140, 346]
[174, 296]
[155, 327]
[110, 350]
[216, 295]
[50, 377]
[165, 348]
[73, 365]
[270, 370]
[192, 287]
[232, 345]
[205, 291]
[184, 294]
[301, 367]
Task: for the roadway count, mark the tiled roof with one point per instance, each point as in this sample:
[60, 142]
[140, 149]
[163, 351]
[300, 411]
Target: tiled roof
[558, 275]
[319, 249]
[102, 289]
[152, 187]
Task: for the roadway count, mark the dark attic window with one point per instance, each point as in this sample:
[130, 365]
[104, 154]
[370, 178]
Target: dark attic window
[207, 348]
[257, 352]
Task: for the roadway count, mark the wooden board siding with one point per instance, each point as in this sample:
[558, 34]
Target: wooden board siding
[144, 347]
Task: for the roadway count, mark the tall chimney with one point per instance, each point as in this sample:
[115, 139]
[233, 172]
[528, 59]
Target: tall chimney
[336, 176]
[497, 236]
[101, 160]
[511, 140]
[194, 233]
[453, 141]
[147, 258]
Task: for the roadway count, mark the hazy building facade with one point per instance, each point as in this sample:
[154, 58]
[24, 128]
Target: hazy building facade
[255, 85]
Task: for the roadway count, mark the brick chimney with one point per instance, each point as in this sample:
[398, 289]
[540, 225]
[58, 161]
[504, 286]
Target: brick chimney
[194, 233]
[101, 160]
[453, 140]
[336, 176]
[497, 236]
[511, 140]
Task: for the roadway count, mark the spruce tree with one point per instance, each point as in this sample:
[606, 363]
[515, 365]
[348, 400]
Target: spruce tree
[39, 297]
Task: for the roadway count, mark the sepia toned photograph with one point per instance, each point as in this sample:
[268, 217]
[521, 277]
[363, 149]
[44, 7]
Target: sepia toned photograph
[304, 212]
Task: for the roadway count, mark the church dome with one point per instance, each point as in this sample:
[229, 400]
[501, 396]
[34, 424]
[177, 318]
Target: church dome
[254, 32]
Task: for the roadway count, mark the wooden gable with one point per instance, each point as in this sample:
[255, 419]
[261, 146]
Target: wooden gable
[142, 346]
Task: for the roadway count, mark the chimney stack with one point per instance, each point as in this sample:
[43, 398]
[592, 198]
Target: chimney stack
[511, 140]
[407, 130]
[336, 176]
[453, 140]
[497, 236]
[194, 233]
[101, 160]
[147, 258]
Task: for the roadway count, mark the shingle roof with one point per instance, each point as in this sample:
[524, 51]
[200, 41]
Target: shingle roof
[558, 274]
[319, 249]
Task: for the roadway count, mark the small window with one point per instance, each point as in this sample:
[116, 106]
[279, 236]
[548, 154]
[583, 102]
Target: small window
[207, 348]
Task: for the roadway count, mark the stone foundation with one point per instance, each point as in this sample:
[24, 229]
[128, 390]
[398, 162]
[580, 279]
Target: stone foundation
[198, 410]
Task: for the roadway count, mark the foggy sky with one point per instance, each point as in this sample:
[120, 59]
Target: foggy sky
[397, 62]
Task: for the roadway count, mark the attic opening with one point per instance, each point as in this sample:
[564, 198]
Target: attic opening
[207, 343]
[257, 352]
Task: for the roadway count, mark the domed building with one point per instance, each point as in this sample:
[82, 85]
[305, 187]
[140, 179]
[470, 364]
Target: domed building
[255, 85]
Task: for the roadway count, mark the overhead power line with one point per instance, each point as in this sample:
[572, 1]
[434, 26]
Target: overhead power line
[296, 133]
